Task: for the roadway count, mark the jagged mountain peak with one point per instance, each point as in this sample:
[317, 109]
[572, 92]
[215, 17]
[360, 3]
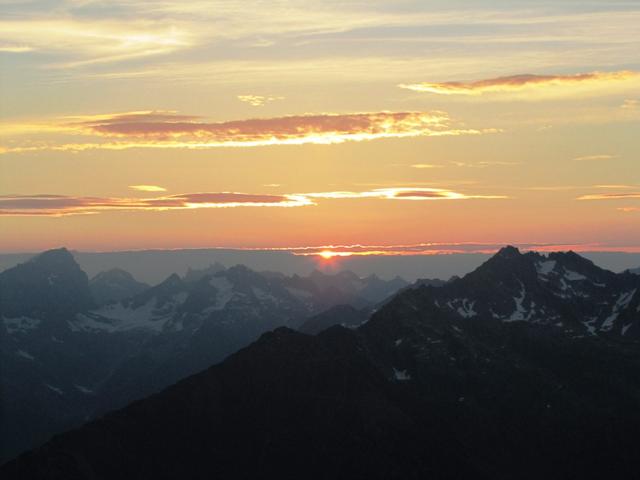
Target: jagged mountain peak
[113, 274]
[507, 265]
[173, 279]
[508, 252]
[114, 285]
[162, 292]
[54, 259]
[195, 274]
[49, 285]
[561, 289]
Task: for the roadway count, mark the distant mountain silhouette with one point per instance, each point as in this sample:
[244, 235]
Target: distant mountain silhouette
[528, 368]
[114, 285]
[72, 349]
[50, 284]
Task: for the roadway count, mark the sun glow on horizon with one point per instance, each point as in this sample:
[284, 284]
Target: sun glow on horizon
[328, 254]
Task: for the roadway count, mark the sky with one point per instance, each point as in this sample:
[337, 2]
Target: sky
[320, 128]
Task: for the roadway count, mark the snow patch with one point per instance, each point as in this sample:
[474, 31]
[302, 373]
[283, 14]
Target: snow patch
[401, 375]
[85, 390]
[466, 310]
[119, 318]
[54, 389]
[23, 354]
[620, 305]
[224, 293]
[573, 276]
[520, 313]
[20, 324]
[546, 267]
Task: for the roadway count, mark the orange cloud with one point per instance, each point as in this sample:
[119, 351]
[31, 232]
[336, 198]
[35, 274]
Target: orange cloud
[520, 82]
[62, 205]
[162, 129]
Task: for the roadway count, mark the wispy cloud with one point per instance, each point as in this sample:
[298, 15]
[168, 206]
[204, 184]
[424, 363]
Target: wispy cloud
[614, 186]
[561, 188]
[517, 83]
[631, 104]
[628, 209]
[15, 48]
[484, 164]
[595, 158]
[404, 193]
[62, 205]
[426, 165]
[147, 188]
[164, 129]
[258, 100]
[610, 196]
[93, 41]
[479, 164]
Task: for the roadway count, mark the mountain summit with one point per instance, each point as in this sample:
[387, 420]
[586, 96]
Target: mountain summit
[51, 284]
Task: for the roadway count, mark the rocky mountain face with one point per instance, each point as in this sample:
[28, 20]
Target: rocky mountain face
[561, 289]
[72, 349]
[526, 368]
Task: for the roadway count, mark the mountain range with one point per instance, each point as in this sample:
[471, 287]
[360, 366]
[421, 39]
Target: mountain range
[73, 348]
[527, 367]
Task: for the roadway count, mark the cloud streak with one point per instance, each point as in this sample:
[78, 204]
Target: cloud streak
[93, 41]
[404, 193]
[63, 205]
[516, 83]
[594, 158]
[166, 129]
[357, 250]
[611, 196]
[258, 100]
[147, 188]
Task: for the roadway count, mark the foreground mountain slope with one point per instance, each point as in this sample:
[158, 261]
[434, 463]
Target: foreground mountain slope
[500, 374]
[343, 315]
[257, 415]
